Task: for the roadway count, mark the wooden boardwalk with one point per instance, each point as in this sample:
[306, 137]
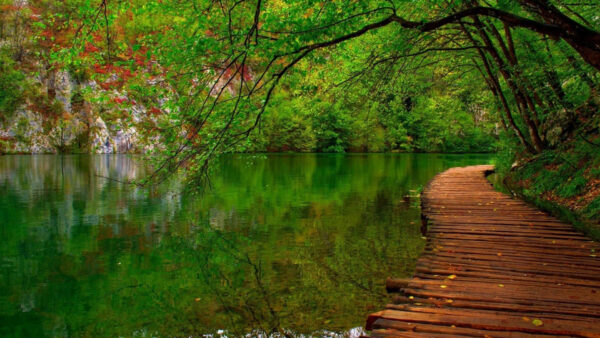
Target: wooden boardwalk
[493, 267]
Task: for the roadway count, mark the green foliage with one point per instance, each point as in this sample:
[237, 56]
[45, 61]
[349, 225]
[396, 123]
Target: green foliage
[592, 210]
[285, 129]
[546, 180]
[306, 76]
[574, 185]
[563, 177]
[12, 83]
[21, 128]
[4, 147]
[333, 127]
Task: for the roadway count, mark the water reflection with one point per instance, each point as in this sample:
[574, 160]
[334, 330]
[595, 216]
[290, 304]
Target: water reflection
[288, 244]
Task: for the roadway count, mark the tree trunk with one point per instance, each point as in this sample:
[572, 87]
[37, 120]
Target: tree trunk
[520, 97]
[584, 40]
[497, 91]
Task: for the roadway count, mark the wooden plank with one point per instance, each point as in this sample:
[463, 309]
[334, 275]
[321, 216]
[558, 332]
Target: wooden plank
[531, 310]
[497, 322]
[493, 266]
[399, 329]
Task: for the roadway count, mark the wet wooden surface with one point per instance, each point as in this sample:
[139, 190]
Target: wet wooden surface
[493, 267]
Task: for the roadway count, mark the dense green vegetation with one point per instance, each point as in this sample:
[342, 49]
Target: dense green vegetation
[517, 76]
[563, 181]
[11, 88]
[199, 79]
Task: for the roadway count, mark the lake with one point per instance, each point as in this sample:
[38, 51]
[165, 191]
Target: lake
[296, 244]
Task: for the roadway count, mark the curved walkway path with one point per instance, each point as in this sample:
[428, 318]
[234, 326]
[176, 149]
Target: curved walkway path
[493, 267]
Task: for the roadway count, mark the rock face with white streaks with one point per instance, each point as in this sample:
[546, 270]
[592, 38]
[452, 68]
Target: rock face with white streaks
[100, 138]
[80, 126]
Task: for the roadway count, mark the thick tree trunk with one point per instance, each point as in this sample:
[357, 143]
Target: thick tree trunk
[584, 40]
[496, 89]
[521, 81]
[520, 97]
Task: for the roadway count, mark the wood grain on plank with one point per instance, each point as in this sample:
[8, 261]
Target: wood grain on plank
[493, 267]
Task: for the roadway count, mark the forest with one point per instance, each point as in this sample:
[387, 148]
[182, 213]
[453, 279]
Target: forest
[187, 81]
[216, 167]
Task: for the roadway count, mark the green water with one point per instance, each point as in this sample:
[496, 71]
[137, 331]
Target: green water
[299, 244]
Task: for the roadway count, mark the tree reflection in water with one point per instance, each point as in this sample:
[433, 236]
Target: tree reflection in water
[282, 244]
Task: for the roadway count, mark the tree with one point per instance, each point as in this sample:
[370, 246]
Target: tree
[224, 60]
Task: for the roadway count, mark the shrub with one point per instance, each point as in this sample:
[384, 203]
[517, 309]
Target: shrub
[11, 86]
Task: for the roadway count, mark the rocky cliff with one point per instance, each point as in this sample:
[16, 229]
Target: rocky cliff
[62, 95]
[107, 121]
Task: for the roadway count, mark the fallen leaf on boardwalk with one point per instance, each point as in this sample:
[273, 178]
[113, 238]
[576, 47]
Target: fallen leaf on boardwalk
[443, 286]
[411, 297]
[526, 319]
[501, 285]
[451, 276]
[499, 254]
[449, 301]
[537, 322]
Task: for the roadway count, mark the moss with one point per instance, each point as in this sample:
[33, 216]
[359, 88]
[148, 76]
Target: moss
[79, 73]
[21, 130]
[592, 211]
[585, 222]
[4, 147]
[573, 186]
[12, 83]
[531, 169]
[545, 181]
[562, 181]
[595, 172]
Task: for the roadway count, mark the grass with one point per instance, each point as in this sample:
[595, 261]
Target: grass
[564, 182]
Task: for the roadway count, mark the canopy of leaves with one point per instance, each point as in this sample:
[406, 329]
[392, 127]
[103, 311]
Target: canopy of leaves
[332, 76]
